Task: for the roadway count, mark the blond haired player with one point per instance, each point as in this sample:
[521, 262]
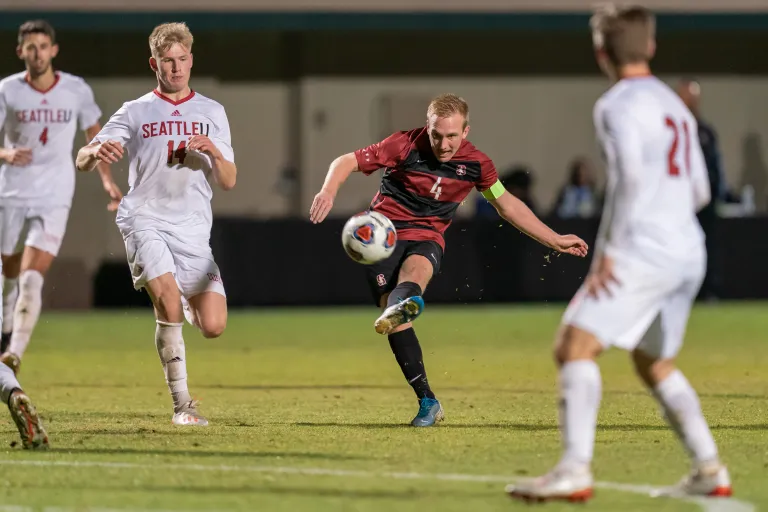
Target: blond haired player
[428, 172]
[176, 139]
[648, 267]
[40, 111]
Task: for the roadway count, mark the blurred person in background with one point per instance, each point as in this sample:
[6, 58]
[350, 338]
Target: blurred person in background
[690, 92]
[518, 181]
[578, 197]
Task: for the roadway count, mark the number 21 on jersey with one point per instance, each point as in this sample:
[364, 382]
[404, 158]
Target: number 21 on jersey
[679, 130]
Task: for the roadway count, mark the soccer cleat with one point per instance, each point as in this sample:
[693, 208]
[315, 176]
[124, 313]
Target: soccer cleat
[707, 480]
[398, 314]
[12, 361]
[187, 414]
[5, 342]
[560, 484]
[430, 412]
[24, 414]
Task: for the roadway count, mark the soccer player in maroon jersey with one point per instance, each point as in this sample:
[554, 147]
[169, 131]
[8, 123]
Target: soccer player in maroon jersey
[428, 172]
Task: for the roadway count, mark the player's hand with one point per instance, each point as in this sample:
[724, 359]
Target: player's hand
[202, 144]
[110, 152]
[18, 157]
[601, 277]
[572, 245]
[321, 206]
[114, 193]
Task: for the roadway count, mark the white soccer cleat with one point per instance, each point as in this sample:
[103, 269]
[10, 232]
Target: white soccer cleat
[560, 484]
[187, 415]
[709, 480]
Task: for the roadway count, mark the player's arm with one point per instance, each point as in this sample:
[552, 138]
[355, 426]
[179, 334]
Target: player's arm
[387, 153]
[219, 150]
[107, 145]
[18, 157]
[110, 187]
[519, 215]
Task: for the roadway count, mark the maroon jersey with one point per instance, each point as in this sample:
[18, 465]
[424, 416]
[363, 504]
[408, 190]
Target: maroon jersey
[419, 193]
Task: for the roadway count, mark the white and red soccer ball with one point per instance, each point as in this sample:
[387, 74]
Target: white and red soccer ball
[369, 237]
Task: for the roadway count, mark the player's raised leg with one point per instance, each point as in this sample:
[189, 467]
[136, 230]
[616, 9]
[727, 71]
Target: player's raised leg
[654, 361]
[169, 341]
[208, 312]
[405, 302]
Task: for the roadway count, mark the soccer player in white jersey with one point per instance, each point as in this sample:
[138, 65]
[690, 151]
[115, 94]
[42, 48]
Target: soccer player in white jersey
[648, 265]
[176, 139]
[40, 111]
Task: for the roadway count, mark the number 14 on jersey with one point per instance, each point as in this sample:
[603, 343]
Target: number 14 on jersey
[179, 153]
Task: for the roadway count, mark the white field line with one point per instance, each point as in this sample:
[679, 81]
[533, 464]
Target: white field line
[707, 505]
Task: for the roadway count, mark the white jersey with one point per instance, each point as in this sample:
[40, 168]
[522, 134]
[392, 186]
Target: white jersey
[657, 177]
[46, 122]
[169, 187]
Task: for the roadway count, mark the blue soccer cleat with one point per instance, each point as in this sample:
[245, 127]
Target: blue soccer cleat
[430, 412]
[399, 314]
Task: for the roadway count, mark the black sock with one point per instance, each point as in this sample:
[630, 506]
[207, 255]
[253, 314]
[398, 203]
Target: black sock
[402, 291]
[405, 346]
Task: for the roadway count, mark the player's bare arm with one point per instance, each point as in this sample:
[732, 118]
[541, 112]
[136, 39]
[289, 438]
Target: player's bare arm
[224, 171]
[338, 173]
[110, 187]
[18, 157]
[89, 156]
[519, 215]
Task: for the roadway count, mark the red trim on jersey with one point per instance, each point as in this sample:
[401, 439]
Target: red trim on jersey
[57, 77]
[172, 102]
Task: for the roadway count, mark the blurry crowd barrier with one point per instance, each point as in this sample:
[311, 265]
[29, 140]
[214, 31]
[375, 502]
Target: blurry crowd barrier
[294, 263]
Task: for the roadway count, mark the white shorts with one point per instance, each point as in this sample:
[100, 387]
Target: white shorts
[41, 228]
[153, 253]
[648, 310]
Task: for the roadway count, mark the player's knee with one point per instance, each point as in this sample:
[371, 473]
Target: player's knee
[575, 344]
[650, 368]
[212, 327]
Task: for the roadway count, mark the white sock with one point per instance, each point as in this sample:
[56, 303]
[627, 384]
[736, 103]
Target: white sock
[27, 310]
[682, 411]
[8, 383]
[580, 394]
[10, 294]
[170, 348]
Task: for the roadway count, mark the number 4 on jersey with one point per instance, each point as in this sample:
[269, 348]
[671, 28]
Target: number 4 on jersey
[44, 136]
[672, 167]
[180, 153]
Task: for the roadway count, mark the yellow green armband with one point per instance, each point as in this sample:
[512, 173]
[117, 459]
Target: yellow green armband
[495, 192]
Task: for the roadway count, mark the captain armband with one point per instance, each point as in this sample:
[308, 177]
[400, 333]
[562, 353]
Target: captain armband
[495, 192]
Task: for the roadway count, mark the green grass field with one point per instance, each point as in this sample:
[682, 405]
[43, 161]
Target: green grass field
[309, 412]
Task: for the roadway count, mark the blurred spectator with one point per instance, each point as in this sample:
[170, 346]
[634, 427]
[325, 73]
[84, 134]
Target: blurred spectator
[690, 92]
[518, 180]
[579, 197]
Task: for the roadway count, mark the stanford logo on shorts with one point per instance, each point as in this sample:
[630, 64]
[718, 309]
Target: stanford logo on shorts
[381, 280]
[461, 170]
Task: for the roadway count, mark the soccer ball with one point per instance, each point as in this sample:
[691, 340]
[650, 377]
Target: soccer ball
[369, 237]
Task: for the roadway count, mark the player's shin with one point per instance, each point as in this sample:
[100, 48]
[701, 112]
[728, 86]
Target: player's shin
[8, 383]
[170, 348]
[27, 310]
[683, 412]
[405, 346]
[10, 295]
[580, 394]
